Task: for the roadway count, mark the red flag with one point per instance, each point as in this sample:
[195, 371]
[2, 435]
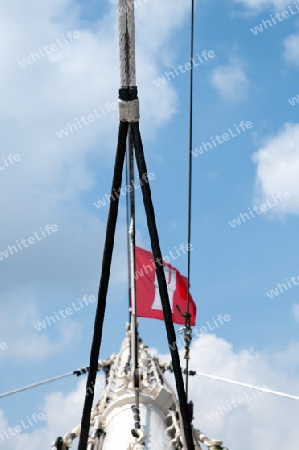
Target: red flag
[147, 290]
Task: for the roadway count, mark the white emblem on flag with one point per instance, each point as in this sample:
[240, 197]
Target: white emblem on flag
[170, 275]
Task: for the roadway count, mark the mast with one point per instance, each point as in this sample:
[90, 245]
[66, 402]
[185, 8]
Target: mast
[129, 113]
[135, 384]
[128, 82]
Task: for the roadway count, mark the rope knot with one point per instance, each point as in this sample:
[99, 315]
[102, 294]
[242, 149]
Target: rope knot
[128, 111]
[128, 104]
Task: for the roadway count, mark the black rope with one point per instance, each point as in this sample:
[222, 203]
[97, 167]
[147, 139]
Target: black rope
[151, 222]
[58, 443]
[103, 288]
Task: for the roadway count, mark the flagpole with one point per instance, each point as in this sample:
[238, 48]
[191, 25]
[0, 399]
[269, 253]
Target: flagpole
[129, 112]
[132, 232]
[128, 215]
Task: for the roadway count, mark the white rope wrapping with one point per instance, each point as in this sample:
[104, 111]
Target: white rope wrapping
[122, 41]
[69, 437]
[137, 443]
[128, 111]
[212, 444]
[126, 24]
[175, 400]
[131, 42]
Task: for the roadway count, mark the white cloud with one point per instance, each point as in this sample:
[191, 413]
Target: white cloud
[213, 174]
[52, 181]
[231, 81]
[291, 45]
[62, 412]
[259, 5]
[51, 184]
[27, 343]
[277, 168]
[261, 418]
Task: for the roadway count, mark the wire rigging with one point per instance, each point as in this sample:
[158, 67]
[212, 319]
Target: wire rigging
[49, 380]
[191, 372]
[238, 383]
[188, 330]
[34, 385]
[190, 151]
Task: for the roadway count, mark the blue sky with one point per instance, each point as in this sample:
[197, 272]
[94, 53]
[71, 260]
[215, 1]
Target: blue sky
[57, 181]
